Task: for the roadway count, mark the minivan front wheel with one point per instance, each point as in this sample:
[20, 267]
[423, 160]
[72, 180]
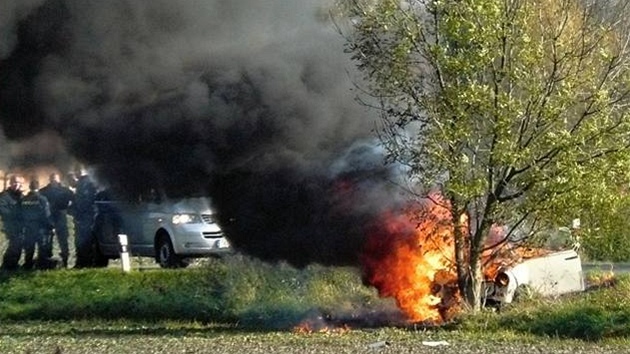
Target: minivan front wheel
[165, 255]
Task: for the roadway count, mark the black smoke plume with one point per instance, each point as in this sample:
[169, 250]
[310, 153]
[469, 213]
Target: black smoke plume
[247, 101]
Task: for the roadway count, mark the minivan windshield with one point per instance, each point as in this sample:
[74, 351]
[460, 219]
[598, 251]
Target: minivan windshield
[148, 195]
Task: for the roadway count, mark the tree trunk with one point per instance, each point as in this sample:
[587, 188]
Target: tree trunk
[461, 260]
[462, 255]
[474, 286]
[469, 264]
[470, 277]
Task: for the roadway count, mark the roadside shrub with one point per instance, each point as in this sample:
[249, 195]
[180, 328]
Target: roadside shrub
[594, 315]
[604, 235]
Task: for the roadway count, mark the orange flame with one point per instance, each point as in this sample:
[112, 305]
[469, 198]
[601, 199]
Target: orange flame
[310, 328]
[413, 262]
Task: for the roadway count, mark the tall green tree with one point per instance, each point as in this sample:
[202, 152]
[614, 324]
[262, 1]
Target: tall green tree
[515, 109]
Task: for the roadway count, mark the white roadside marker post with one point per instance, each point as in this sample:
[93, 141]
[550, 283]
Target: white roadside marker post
[124, 253]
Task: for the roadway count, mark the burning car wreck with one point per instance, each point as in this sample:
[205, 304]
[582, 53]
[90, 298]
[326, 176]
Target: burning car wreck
[409, 256]
[171, 231]
[551, 274]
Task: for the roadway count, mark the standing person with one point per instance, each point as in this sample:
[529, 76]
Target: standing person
[59, 197]
[10, 210]
[83, 211]
[37, 227]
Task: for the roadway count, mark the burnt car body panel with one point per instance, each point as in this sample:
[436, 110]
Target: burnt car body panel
[554, 274]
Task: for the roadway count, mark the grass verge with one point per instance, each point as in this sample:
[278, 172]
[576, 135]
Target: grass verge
[239, 304]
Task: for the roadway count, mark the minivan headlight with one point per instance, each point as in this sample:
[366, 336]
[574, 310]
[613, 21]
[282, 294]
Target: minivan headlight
[186, 219]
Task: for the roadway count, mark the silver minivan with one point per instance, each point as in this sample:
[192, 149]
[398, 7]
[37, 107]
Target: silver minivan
[171, 231]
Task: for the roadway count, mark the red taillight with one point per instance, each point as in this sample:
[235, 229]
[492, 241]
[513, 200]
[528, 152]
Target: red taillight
[502, 279]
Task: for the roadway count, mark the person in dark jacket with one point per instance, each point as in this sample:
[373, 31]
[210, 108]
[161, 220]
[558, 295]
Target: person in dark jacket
[37, 227]
[10, 210]
[83, 212]
[59, 197]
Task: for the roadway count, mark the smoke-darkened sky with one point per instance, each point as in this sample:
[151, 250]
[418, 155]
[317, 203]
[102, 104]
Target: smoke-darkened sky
[248, 101]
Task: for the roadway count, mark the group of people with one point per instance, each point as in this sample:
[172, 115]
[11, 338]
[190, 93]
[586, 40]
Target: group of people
[31, 221]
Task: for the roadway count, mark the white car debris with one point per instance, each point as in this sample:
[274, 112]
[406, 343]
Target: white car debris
[552, 275]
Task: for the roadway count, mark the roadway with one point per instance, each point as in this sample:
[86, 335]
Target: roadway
[606, 266]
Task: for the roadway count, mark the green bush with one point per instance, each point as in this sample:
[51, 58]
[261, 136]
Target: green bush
[607, 245]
